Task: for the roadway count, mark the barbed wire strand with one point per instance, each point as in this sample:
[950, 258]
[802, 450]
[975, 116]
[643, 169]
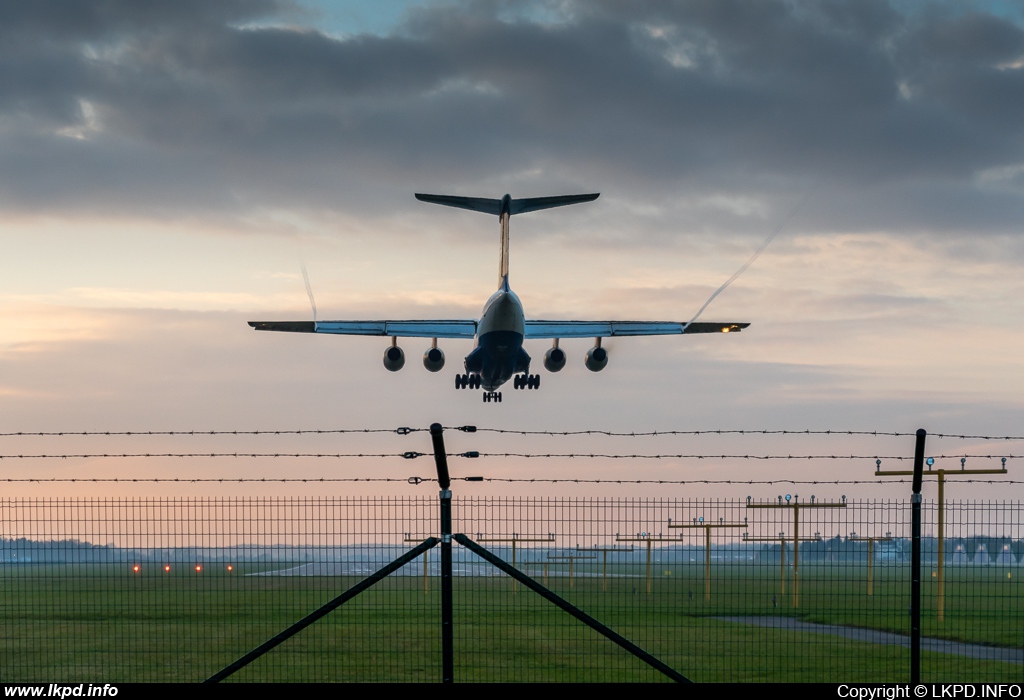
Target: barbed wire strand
[200, 433]
[579, 455]
[465, 428]
[660, 433]
[188, 455]
[417, 480]
[738, 481]
[474, 454]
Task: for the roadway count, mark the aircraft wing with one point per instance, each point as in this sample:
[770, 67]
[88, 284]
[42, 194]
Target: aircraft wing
[467, 328]
[608, 329]
[403, 329]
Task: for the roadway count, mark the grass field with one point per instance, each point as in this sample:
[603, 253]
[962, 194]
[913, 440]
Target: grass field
[106, 624]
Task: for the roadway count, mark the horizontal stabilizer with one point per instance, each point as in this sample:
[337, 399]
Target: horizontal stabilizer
[487, 206]
[515, 206]
[521, 206]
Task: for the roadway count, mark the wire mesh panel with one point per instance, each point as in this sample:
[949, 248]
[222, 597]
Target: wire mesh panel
[176, 589]
[833, 588]
[972, 593]
[720, 590]
[723, 591]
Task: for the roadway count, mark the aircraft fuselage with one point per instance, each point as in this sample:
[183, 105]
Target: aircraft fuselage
[499, 352]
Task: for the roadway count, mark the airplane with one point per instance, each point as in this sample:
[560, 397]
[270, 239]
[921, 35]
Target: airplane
[498, 354]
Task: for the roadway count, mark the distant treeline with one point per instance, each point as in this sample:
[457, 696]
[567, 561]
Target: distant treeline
[72, 551]
[966, 550]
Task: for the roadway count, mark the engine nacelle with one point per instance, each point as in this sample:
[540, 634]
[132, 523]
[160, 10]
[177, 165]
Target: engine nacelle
[433, 359]
[394, 358]
[554, 359]
[597, 358]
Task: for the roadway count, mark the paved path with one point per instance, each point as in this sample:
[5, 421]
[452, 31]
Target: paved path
[942, 646]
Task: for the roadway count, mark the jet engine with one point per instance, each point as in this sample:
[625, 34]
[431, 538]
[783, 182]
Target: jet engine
[394, 358]
[597, 358]
[433, 359]
[554, 358]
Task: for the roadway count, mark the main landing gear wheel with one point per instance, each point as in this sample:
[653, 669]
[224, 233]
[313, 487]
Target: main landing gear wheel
[467, 381]
[526, 381]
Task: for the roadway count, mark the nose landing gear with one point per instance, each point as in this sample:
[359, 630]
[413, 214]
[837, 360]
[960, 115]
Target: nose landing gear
[492, 396]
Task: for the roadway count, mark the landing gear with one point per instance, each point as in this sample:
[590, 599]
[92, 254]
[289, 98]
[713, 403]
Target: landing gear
[467, 381]
[526, 381]
[492, 396]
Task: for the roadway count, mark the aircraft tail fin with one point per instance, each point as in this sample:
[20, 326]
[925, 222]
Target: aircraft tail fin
[497, 206]
[504, 208]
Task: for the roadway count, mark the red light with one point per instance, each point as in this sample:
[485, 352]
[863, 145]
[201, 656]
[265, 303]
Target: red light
[230, 568]
[199, 567]
[167, 568]
[136, 568]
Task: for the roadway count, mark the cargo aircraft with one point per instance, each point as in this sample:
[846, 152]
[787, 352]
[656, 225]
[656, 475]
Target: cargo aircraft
[500, 331]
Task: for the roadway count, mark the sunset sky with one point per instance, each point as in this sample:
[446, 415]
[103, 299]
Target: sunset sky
[167, 168]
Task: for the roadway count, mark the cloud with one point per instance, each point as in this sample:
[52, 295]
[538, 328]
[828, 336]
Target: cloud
[184, 157]
[232, 106]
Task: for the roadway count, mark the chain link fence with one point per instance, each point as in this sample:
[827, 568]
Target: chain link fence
[787, 589]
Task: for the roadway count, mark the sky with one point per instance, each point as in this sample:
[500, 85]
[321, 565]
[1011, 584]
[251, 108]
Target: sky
[169, 167]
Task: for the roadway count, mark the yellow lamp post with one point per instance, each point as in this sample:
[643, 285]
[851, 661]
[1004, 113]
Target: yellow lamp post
[515, 538]
[941, 475]
[707, 526]
[570, 558]
[781, 539]
[604, 555]
[854, 537]
[793, 503]
[426, 562]
[648, 539]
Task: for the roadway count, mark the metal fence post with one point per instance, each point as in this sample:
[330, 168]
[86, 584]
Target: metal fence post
[915, 561]
[447, 640]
